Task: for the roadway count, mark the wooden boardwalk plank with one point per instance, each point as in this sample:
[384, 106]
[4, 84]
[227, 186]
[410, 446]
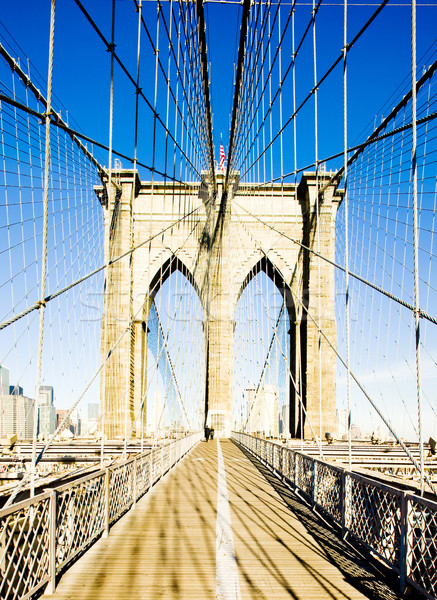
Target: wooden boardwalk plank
[277, 555]
[165, 548]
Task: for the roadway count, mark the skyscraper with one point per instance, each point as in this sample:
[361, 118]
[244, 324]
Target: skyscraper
[46, 395]
[4, 380]
[16, 416]
[46, 411]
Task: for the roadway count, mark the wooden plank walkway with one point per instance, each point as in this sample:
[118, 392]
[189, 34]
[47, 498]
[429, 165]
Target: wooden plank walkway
[166, 547]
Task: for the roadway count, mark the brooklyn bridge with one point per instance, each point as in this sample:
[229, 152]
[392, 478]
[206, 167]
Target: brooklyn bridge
[217, 337]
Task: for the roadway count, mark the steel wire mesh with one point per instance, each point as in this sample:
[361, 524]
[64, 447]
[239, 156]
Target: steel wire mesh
[376, 517]
[400, 528]
[24, 548]
[80, 517]
[422, 545]
[328, 490]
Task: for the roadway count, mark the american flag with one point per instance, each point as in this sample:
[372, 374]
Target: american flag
[222, 157]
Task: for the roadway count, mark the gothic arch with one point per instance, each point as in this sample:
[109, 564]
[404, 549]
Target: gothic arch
[170, 266]
[266, 266]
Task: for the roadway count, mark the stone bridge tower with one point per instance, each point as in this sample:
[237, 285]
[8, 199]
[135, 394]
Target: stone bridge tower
[236, 236]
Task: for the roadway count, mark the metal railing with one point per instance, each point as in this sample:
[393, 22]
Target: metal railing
[399, 527]
[40, 536]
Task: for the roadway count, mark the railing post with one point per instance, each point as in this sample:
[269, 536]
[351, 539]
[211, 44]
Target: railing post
[50, 589]
[107, 500]
[403, 558]
[296, 469]
[162, 461]
[346, 503]
[134, 483]
[314, 484]
[343, 503]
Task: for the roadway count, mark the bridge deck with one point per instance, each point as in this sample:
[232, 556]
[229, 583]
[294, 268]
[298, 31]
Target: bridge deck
[167, 548]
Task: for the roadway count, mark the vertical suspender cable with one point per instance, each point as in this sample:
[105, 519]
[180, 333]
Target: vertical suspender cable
[416, 238]
[44, 245]
[111, 99]
[205, 85]
[280, 102]
[241, 51]
[129, 366]
[316, 160]
[137, 87]
[298, 357]
[135, 160]
[298, 342]
[111, 117]
[346, 235]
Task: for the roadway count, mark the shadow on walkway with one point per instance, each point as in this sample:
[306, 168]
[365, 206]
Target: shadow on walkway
[361, 570]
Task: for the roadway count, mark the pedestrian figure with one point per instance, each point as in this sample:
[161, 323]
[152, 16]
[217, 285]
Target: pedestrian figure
[211, 433]
[207, 432]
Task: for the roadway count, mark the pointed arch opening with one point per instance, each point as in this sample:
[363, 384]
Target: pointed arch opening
[265, 399]
[174, 364]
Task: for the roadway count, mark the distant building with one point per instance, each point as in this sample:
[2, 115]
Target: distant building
[76, 422]
[25, 408]
[8, 424]
[17, 416]
[93, 410]
[263, 411]
[342, 427]
[47, 420]
[355, 432]
[46, 395]
[60, 414]
[89, 426]
[4, 380]
[15, 390]
[284, 420]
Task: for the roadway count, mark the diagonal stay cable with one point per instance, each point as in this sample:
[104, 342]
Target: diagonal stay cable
[166, 77]
[358, 147]
[369, 398]
[379, 289]
[321, 80]
[15, 67]
[363, 390]
[170, 362]
[205, 82]
[84, 391]
[243, 34]
[77, 134]
[58, 293]
[134, 83]
[373, 137]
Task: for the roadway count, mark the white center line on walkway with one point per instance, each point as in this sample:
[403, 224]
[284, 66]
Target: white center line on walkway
[227, 584]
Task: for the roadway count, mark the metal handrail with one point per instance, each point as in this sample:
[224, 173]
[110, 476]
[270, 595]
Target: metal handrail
[399, 527]
[41, 535]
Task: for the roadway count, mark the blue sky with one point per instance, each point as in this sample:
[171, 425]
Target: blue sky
[377, 66]
[378, 74]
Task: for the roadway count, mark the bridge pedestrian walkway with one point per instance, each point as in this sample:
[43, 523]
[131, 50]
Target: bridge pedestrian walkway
[177, 544]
